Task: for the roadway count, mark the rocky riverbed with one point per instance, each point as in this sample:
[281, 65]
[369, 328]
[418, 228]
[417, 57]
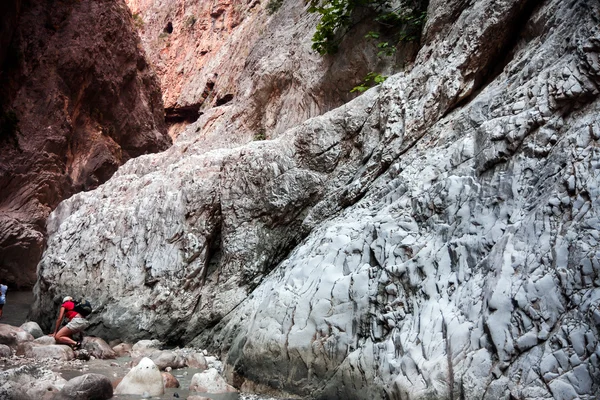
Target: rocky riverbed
[33, 366]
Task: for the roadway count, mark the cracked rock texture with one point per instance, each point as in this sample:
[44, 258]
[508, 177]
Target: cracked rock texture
[236, 64]
[436, 237]
[75, 103]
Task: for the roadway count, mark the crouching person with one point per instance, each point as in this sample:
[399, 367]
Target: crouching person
[76, 323]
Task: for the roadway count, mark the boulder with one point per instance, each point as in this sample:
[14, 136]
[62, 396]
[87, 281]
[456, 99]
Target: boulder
[169, 380]
[86, 387]
[33, 328]
[122, 349]
[196, 360]
[45, 340]
[33, 382]
[210, 381]
[198, 398]
[53, 351]
[12, 336]
[13, 391]
[5, 351]
[143, 378]
[144, 348]
[168, 358]
[98, 348]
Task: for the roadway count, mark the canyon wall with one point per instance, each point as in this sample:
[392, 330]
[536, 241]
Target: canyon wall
[250, 65]
[77, 100]
[436, 237]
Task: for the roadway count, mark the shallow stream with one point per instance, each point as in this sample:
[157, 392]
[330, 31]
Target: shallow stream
[15, 313]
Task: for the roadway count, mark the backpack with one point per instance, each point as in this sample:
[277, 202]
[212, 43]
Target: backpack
[83, 307]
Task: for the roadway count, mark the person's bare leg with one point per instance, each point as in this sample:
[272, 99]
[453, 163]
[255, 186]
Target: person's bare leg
[63, 336]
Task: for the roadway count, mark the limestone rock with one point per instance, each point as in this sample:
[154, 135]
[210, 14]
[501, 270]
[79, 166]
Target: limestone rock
[143, 378]
[196, 360]
[145, 347]
[210, 381]
[12, 336]
[270, 85]
[29, 382]
[53, 351]
[85, 387]
[78, 99]
[45, 340]
[168, 358]
[169, 380]
[5, 351]
[122, 349]
[98, 348]
[435, 237]
[33, 328]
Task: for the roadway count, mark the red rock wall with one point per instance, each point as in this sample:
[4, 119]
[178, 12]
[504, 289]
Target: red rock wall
[77, 100]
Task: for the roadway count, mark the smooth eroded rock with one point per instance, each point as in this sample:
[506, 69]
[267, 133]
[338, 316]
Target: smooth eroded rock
[210, 381]
[87, 387]
[143, 378]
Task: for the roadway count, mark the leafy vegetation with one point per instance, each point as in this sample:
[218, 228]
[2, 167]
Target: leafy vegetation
[260, 135]
[400, 24]
[337, 16]
[273, 6]
[372, 79]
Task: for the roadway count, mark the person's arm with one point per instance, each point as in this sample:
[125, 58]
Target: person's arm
[61, 315]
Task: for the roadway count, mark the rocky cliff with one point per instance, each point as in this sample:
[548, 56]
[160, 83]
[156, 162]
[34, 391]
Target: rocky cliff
[77, 100]
[250, 65]
[436, 237]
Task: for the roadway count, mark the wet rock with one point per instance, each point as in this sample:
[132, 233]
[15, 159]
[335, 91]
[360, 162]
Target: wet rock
[196, 360]
[45, 340]
[54, 351]
[12, 336]
[34, 382]
[13, 391]
[145, 347]
[122, 349]
[5, 351]
[98, 348]
[167, 358]
[169, 380]
[143, 378]
[210, 381]
[86, 387]
[33, 328]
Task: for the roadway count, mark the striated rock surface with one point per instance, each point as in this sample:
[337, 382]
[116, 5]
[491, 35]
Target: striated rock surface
[249, 66]
[77, 99]
[436, 237]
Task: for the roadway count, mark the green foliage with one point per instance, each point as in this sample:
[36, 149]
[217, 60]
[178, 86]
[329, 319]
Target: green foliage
[372, 79]
[138, 21]
[9, 125]
[336, 16]
[273, 6]
[260, 135]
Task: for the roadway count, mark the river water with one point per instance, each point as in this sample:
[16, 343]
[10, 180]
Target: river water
[15, 313]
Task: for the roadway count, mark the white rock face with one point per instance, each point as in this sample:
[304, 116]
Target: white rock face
[210, 381]
[435, 238]
[143, 378]
[53, 351]
[29, 382]
[32, 328]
